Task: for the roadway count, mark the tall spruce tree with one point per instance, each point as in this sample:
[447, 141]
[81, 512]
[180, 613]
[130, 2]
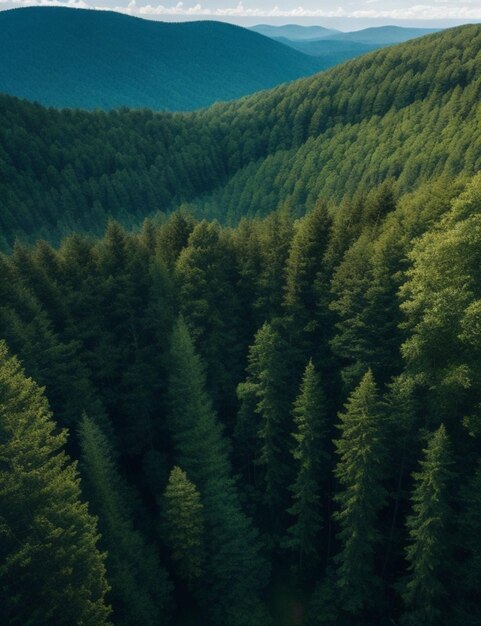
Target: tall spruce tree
[425, 589]
[51, 570]
[183, 525]
[311, 455]
[265, 392]
[307, 317]
[234, 571]
[140, 587]
[361, 495]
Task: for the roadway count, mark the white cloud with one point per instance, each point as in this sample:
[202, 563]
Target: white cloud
[441, 9]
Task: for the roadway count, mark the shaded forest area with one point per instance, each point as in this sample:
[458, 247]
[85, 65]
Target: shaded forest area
[289, 395]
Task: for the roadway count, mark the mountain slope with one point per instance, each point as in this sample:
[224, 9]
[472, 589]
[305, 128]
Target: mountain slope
[294, 31]
[384, 35]
[96, 59]
[409, 113]
[331, 51]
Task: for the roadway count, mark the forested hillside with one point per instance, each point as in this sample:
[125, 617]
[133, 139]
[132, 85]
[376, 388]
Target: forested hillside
[271, 418]
[409, 113]
[99, 59]
[290, 402]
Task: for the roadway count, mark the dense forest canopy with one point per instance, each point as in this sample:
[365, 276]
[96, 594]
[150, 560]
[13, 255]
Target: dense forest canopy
[273, 419]
[408, 113]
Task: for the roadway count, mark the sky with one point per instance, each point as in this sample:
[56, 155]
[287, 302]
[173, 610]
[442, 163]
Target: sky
[341, 14]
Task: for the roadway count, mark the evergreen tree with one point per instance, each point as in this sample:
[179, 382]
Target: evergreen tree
[206, 275]
[51, 570]
[311, 456]
[140, 587]
[425, 589]
[306, 321]
[265, 392]
[234, 570]
[183, 524]
[361, 496]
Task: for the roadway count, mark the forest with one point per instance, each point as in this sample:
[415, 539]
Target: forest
[233, 395]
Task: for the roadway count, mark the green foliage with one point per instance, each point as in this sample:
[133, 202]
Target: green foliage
[51, 570]
[140, 588]
[361, 496]
[265, 409]
[235, 570]
[183, 524]
[425, 594]
[311, 454]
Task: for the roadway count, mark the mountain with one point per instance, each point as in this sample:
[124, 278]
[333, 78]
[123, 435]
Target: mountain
[408, 113]
[334, 47]
[375, 35]
[384, 35]
[295, 32]
[96, 59]
[330, 51]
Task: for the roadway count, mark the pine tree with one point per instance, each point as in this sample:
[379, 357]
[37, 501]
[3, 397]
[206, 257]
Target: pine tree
[51, 570]
[361, 496]
[183, 524]
[428, 553]
[206, 275]
[307, 322]
[140, 587]
[311, 456]
[234, 569]
[265, 391]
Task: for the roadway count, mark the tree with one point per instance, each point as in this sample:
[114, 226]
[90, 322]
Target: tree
[51, 569]
[361, 496]
[206, 275]
[311, 456]
[265, 392]
[140, 587]
[234, 570]
[424, 591]
[306, 320]
[183, 523]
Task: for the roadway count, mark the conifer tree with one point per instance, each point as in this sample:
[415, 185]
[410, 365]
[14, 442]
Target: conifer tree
[234, 570]
[306, 321]
[265, 391]
[206, 276]
[140, 587]
[361, 496]
[310, 454]
[424, 591]
[51, 570]
[183, 524]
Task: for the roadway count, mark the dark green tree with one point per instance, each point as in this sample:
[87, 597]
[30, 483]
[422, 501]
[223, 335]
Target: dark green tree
[311, 455]
[51, 570]
[265, 404]
[183, 525]
[234, 570]
[361, 496]
[425, 591]
[140, 587]
[307, 322]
